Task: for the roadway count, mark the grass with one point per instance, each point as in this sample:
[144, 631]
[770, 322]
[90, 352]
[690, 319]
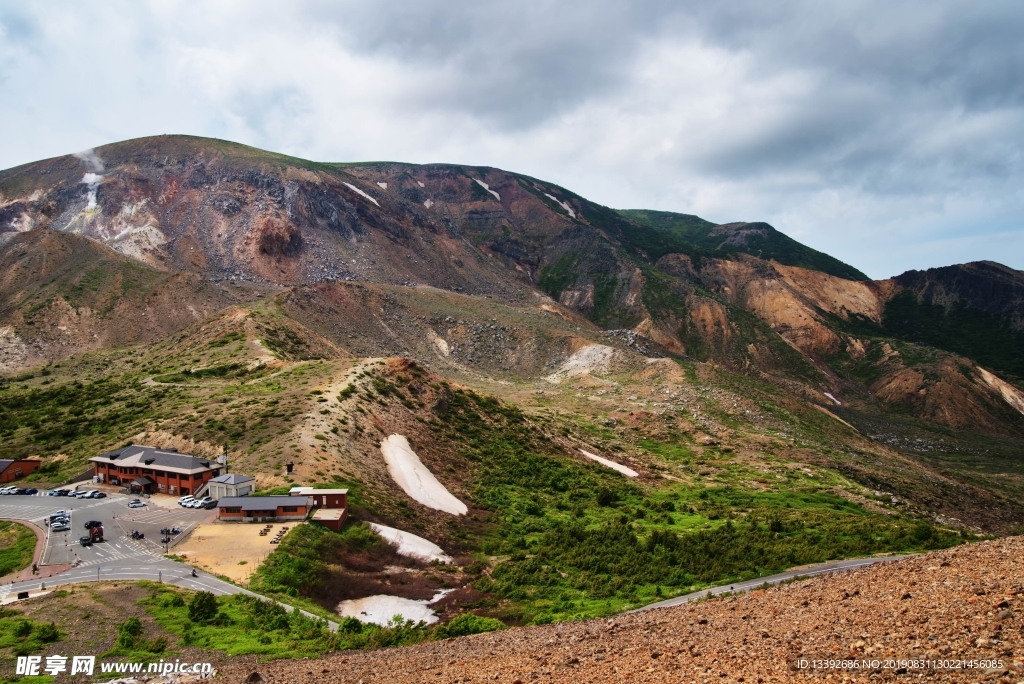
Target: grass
[17, 545]
[23, 636]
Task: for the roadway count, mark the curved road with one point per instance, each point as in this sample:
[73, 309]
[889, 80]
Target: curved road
[804, 571]
[118, 558]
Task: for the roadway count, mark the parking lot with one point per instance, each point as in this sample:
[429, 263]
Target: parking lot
[118, 521]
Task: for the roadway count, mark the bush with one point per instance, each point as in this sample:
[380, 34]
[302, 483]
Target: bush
[202, 607]
[467, 624]
[128, 633]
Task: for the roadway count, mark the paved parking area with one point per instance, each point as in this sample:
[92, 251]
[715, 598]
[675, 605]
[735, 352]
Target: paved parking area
[118, 520]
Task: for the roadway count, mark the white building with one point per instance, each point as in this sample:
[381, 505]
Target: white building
[231, 485]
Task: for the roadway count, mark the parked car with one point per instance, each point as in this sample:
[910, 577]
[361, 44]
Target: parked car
[7, 490]
[211, 504]
[85, 541]
[136, 503]
[187, 501]
[63, 492]
[93, 523]
[185, 498]
[60, 526]
[31, 491]
[17, 491]
[99, 495]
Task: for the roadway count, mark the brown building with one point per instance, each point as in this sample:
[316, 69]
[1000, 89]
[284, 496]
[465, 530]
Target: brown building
[323, 498]
[263, 508]
[331, 504]
[155, 471]
[15, 470]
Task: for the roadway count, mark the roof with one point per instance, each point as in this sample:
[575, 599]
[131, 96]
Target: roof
[233, 479]
[5, 463]
[329, 514]
[259, 503]
[151, 457]
[299, 491]
[142, 481]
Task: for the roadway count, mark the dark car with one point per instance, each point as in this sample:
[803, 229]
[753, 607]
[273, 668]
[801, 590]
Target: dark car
[30, 491]
[85, 541]
[63, 492]
[210, 504]
[99, 495]
[93, 523]
[18, 490]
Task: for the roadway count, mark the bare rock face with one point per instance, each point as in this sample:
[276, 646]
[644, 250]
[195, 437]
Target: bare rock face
[276, 238]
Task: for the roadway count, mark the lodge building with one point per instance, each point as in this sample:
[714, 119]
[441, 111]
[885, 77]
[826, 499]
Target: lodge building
[151, 470]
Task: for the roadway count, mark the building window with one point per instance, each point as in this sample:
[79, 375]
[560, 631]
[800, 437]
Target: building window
[290, 509]
[233, 509]
[197, 476]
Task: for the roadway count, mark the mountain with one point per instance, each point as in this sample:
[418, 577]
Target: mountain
[205, 295]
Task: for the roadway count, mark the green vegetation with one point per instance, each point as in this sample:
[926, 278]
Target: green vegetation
[667, 232]
[17, 545]
[986, 338]
[582, 541]
[24, 636]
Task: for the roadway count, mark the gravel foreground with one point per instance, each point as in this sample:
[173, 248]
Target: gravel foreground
[960, 607]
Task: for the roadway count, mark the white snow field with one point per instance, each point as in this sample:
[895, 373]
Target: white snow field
[411, 545]
[564, 205]
[628, 472]
[486, 187]
[381, 608]
[837, 402]
[415, 479]
[357, 190]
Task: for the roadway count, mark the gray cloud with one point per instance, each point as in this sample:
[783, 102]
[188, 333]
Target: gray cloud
[888, 134]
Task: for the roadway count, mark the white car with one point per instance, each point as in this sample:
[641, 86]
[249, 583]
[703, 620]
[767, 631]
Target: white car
[185, 498]
[186, 501]
[136, 503]
[7, 490]
[60, 527]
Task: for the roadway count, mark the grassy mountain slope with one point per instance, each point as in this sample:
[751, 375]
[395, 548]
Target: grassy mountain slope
[684, 232]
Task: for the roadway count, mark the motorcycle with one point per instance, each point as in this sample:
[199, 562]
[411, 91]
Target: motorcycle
[194, 573]
[137, 535]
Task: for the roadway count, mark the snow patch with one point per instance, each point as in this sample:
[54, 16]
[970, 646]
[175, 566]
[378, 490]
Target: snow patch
[428, 203]
[838, 403]
[411, 545]
[383, 186]
[421, 184]
[564, 205]
[488, 189]
[415, 479]
[594, 357]
[628, 472]
[381, 608]
[360, 192]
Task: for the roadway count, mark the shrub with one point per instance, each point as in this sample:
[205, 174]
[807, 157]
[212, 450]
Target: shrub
[202, 607]
[467, 624]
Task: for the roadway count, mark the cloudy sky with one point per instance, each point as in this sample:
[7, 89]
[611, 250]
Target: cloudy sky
[890, 135]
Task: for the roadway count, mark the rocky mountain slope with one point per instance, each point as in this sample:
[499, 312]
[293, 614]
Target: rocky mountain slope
[959, 606]
[210, 296]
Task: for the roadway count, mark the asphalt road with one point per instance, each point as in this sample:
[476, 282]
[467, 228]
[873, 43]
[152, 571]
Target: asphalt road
[808, 571]
[118, 557]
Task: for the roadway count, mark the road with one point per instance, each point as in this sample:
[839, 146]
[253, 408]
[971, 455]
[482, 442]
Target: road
[807, 571]
[118, 557]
